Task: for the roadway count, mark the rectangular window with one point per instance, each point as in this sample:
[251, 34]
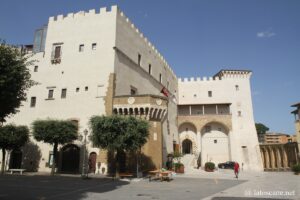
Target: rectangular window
[237, 88]
[57, 52]
[32, 102]
[36, 68]
[215, 141]
[94, 46]
[77, 89]
[207, 129]
[149, 69]
[86, 88]
[100, 91]
[160, 78]
[209, 93]
[81, 48]
[50, 94]
[63, 93]
[133, 90]
[139, 59]
[239, 113]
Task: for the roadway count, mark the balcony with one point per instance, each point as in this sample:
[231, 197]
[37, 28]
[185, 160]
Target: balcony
[205, 109]
[150, 107]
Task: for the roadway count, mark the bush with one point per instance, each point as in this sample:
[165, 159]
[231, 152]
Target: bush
[210, 165]
[296, 168]
[178, 165]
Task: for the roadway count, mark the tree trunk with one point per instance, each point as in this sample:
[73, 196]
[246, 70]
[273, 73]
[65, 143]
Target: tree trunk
[3, 161]
[54, 158]
[117, 165]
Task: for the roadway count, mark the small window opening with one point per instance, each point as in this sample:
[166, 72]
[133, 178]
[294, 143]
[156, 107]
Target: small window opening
[33, 102]
[36, 68]
[77, 89]
[81, 48]
[94, 46]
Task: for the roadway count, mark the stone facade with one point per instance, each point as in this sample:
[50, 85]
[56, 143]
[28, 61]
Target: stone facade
[109, 67]
[216, 113]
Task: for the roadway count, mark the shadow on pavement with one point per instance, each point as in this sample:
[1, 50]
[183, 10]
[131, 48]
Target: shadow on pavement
[243, 198]
[54, 187]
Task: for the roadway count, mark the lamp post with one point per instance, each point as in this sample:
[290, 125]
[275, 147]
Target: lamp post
[84, 141]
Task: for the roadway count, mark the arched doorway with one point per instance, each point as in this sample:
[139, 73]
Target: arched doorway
[187, 146]
[70, 159]
[214, 143]
[188, 138]
[15, 159]
[92, 162]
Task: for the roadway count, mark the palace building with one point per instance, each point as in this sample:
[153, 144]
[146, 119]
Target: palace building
[99, 63]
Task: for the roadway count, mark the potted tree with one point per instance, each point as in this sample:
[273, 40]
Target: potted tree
[296, 169]
[178, 166]
[209, 166]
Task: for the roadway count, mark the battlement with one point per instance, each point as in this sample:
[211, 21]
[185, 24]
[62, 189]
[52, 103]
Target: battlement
[198, 79]
[113, 9]
[151, 46]
[79, 14]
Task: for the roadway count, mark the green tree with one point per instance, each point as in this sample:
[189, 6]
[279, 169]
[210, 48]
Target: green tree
[118, 134]
[55, 132]
[14, 79]
[12, 137]
[261, 128]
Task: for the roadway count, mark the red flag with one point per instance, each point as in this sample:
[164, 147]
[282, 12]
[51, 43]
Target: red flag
[165, 91]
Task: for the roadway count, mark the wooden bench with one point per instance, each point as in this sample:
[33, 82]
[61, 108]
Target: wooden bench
[126, 175]
[160, 175]
[16, 170]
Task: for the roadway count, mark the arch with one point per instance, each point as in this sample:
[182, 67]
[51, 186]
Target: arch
[220, 124]
[92, 162]
[70, 158]
[187, 146]
[188, 130]
[184, 125]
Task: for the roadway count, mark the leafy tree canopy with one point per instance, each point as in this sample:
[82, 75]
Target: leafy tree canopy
[14, 79]
[55, 131]
[13, 137]
[119, 133]
[261, 128]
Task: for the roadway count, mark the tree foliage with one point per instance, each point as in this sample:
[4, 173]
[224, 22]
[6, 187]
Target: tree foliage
[119, 133]
[12, 137]
[55, 132]
[261, 128]
[14, 79]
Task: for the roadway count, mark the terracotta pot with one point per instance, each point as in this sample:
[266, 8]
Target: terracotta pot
[209, 170]
[180, 170]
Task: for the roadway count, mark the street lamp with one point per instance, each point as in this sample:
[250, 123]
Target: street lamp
[85, 142]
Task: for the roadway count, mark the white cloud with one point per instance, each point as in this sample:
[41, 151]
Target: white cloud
[265, 34]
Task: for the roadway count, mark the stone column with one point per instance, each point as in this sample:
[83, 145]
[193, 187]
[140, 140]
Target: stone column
[279, 159]
[267, 154]
[272, 159]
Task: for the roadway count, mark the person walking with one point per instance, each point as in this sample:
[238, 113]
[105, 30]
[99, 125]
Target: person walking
[236, 169]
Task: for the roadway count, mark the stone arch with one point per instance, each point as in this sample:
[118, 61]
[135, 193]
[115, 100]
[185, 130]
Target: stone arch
[215, 144]
[188, 130]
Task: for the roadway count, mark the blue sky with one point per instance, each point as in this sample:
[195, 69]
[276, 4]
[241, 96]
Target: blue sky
[198, 38]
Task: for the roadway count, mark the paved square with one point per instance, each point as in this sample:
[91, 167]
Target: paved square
[61, 187]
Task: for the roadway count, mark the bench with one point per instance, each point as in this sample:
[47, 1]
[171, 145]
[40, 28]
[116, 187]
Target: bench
[126, 175]
[160, 175]
[16, 170]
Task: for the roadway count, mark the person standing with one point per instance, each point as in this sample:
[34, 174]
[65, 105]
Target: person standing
[236, 169]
